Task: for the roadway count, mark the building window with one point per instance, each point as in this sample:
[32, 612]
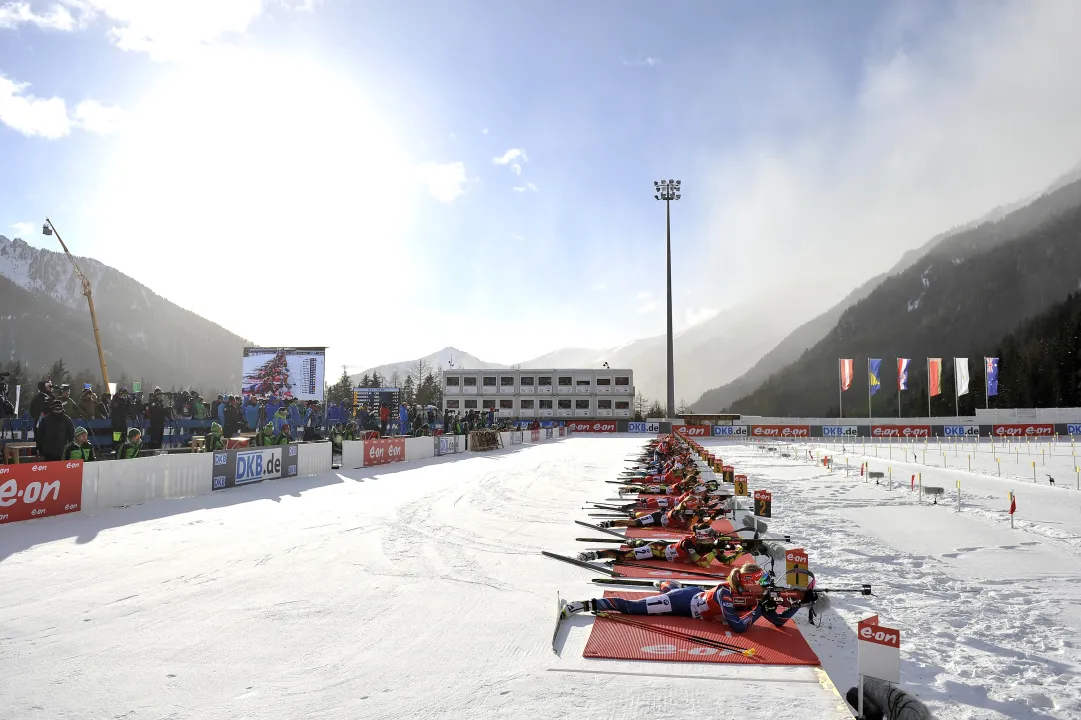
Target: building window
[489, 381]
[486, 404]
[471, 404]
[506, 381]
[545, 381]
[604, 404]
[453, 404]
[622, 380]
[564, 382]
[506, 404]
[469, 381]
[623, 405]
[564, 404]
[604, 382]
[582, 383]
[545, 404]
[526, 381]
[453, 381]
[526, 404]
[581, 404]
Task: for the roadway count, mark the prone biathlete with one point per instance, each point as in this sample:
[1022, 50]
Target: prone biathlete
[683, 516]
[738, 602]
[695, 549]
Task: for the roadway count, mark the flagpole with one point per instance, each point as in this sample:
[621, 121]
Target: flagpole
[928, 387]
[986, 387]
[898, 388]
[840, 396]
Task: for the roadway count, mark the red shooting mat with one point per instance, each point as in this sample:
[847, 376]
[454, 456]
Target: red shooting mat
[772, 645]
[664, 569]
[721, 526]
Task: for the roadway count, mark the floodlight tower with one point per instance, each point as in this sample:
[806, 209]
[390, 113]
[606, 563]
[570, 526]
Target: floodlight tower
[669, 190]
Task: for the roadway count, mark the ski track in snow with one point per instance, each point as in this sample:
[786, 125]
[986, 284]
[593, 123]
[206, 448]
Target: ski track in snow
[989, 615]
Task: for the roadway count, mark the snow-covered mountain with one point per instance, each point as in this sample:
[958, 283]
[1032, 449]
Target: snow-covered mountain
[144, 335]
[440, 360]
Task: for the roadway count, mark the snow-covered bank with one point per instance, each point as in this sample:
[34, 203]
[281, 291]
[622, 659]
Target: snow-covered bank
[401, 591]
[989, 615]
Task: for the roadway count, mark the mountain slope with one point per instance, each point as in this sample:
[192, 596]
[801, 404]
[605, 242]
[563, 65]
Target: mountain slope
[1040, 362]
[786, 352]
[436, 362]
[960, 299]
[143, 334]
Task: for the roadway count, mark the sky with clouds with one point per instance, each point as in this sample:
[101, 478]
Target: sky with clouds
[390, 178]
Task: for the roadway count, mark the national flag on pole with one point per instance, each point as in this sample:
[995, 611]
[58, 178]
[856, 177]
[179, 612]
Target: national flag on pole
[873, 367]
[960, 375]
[934, 371]
[991, 375]
[847, 372]
[1013, 503]
[902, 373]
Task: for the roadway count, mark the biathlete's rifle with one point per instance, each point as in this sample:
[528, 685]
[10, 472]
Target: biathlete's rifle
[814, 595]
[676, 634]
[621, 536]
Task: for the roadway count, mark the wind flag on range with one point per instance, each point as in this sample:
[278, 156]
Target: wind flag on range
[902, 380]
[934, 380]
[845, 372]
[960, 381]
[990, 374]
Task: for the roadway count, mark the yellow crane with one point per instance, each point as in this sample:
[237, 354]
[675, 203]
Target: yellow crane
[49, 229]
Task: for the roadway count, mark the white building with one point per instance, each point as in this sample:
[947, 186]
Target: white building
[541, 393]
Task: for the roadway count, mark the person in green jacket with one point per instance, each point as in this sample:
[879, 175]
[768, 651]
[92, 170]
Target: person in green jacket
[284, 437]
[265, 436]
[213, 439]
[337, 436]
[351, 431]
[130, 448]
[80, 448]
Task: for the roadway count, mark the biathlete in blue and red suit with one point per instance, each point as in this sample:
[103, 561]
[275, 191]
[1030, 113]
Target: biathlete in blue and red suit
[684, 516]
[737, 602]
[702, 492]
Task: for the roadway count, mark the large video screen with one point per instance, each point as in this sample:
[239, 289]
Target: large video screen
[284, 372]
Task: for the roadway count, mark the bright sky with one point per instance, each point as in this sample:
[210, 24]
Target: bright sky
[387, 178]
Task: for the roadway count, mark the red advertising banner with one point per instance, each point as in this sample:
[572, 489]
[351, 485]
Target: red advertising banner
[593, 427]
[694, 430]
[784, 431]
[870, 631]
[33, 490]
[381, 452]
[1023, 430]
[904, 431]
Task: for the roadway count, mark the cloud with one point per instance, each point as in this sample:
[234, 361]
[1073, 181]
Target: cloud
[516, 168]
[166, 30]
[32, 116]
[22, 229]
[599, 286]
[94, 117]
[445, 181]
[695, 316]
[14, 14]
[48, 117]
[522, 188]
[517, 237]
[647, 62]
[510, 156]
[954, 113]
[484, 131]
[647, 307]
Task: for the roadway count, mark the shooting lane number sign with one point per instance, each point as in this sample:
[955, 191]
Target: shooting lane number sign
[740, 482]
[795, 559]
[763, 503]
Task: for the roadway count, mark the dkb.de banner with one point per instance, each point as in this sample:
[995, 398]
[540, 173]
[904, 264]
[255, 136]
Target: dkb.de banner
[446, 444]
[244, 467]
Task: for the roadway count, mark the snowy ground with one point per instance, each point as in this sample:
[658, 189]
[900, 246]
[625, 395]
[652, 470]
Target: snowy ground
[410, 591]
[417, 591]
[990, 617]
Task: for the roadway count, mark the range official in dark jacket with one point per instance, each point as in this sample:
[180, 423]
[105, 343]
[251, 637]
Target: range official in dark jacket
[54, 431]
[40, 404]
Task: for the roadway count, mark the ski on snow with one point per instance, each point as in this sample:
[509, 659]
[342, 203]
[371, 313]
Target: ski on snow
[560, 604]
[582, 564]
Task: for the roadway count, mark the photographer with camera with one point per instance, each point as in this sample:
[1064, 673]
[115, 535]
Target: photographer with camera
[7, 410]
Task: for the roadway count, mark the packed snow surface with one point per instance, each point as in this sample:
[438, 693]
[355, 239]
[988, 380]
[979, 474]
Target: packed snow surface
[418, 591]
